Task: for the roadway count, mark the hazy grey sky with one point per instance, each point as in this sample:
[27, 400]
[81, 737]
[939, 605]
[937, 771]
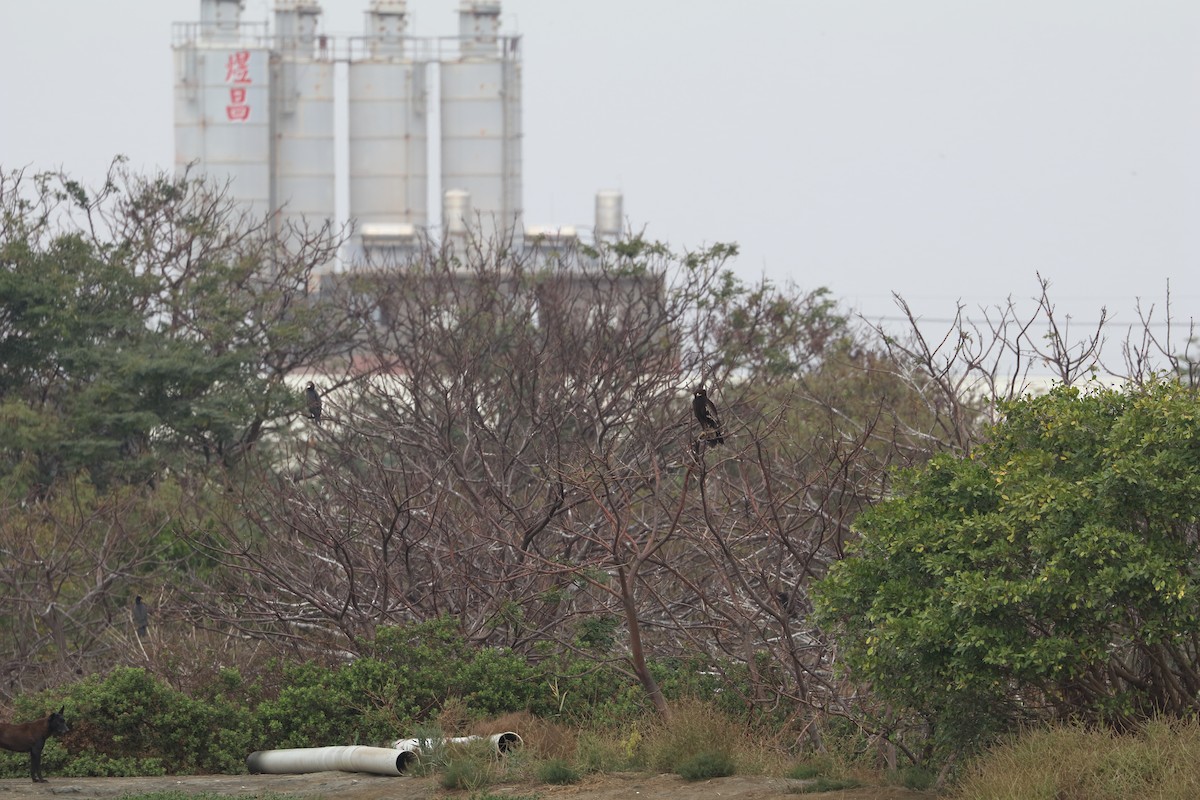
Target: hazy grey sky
[943, 149]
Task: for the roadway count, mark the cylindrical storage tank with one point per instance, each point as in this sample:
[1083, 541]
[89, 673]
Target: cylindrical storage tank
[609, 215]
[223, 113]
[388, 140]
[304, 191]
[457, 216]
[481, 119]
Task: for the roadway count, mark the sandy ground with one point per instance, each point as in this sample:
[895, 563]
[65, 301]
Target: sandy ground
[361, 786]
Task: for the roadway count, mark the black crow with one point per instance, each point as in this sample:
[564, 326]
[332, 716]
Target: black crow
[314, 401]
[706, 414]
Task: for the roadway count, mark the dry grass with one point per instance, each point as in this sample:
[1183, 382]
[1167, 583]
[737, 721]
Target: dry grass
[650, 743]
[1073, 763]
[696, 728]
[542, 738]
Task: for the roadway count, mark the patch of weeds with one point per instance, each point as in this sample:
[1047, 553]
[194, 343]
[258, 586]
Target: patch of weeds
[557, 771]
[811, 767]
[693, 728]
[826, 785]
[431, 752]
[464, 773]
[916, 778]
[176, 795]
[597, 753]
[709, 764]
[490, 796]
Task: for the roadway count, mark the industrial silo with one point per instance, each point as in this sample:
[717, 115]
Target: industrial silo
[609, 219]
[480, 81]
[302, 93]
[387, 130]
[222, 102]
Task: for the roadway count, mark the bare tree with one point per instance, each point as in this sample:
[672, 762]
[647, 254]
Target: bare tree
[523, 456]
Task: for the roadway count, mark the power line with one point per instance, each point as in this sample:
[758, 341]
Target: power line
[1088, 324]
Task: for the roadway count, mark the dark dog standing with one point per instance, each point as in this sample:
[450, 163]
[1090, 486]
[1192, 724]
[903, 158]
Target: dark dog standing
[30, 737]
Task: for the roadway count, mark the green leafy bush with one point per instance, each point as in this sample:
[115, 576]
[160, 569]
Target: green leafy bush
[131, 722]
[138, 722]
[709, 764]
[318, 706]
[992, 589]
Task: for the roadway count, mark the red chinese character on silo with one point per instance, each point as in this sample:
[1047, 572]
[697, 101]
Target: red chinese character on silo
[237, 71]
[237, 110]
[237, 68]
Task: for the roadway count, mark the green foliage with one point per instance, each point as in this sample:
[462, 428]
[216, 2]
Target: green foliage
[823, 784]
[804, 771]
[411, 674]
[433, 663]
[587, 691]
[1053, 568]
[763, 330]
[55, 759]
[916, 778]
[494, 681]
[597, 633]
[597, 753]
[131, 720]
[465, 772]
[318, 706]
[99, 765]
[147, 327]
[705, 765]
[557, 771]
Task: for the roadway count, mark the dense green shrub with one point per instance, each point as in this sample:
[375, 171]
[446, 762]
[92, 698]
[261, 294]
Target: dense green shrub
[130, 714]
[584, 691]
[1052, 574]
[432, 662]
[131, 722]
[318, 706]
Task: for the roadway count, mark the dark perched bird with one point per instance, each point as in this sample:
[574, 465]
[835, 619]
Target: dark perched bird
[314, 401]
[706, 414]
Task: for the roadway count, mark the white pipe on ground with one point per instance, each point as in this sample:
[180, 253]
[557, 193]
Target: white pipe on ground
[501, 742]
[356, 758]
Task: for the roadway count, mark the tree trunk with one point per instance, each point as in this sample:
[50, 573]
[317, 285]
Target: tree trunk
[636, 653]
